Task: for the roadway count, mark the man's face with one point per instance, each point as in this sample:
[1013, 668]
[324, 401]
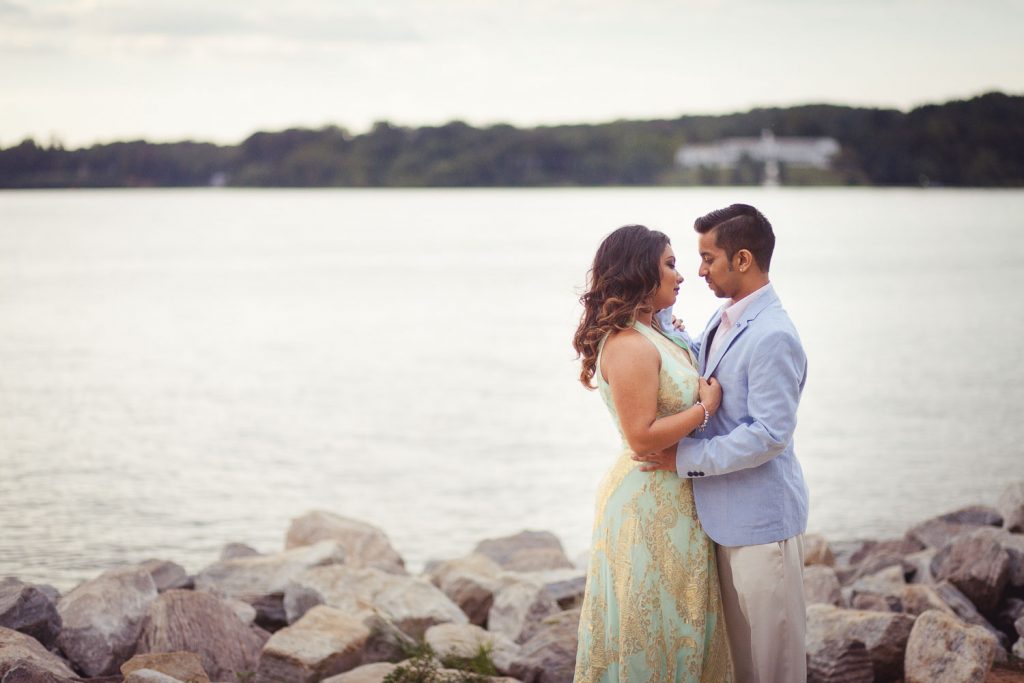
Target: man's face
[715, 267]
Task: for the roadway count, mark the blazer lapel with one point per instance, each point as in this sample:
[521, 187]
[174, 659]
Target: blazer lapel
[749, 315]
[709, 336]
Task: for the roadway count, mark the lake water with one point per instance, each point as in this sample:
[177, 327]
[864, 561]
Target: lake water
[180, 369]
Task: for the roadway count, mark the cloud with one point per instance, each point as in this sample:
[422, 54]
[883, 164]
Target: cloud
[124, 25]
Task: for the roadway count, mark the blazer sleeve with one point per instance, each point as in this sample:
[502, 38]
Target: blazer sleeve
[778, 368]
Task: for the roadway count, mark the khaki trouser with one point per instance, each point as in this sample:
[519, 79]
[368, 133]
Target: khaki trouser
[763, 597]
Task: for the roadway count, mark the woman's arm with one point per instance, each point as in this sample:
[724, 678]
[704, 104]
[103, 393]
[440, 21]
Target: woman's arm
[631, 365]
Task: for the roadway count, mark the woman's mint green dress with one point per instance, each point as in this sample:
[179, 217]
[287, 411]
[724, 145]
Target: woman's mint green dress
[652, 610]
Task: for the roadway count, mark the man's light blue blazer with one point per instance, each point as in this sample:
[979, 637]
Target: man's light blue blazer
[747, 483]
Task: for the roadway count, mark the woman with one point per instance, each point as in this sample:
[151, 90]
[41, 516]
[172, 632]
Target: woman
[652, 609]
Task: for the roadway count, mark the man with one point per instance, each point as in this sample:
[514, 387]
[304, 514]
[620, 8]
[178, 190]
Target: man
[748, 486]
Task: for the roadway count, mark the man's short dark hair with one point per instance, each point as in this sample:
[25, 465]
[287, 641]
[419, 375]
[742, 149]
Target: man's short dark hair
[740, 226]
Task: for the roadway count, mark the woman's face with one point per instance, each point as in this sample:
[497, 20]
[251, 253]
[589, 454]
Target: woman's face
[668, 287]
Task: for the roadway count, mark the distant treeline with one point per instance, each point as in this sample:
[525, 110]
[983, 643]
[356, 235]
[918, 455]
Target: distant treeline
[978, 142]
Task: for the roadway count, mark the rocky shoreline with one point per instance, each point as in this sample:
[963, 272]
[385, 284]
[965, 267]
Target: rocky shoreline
[945, 602]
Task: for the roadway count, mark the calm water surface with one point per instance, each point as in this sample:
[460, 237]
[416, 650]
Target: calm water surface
[183, 369]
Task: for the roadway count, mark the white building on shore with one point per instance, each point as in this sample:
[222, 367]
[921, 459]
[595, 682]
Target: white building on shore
[767, 149]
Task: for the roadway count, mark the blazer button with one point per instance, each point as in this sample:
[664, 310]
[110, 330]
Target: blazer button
[689, 474]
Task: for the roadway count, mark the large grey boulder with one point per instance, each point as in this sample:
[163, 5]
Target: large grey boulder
[519, 608]
[941, 649]
[324, 642]
[29, 609]
[918, 598]
[167, 575]
[102, 619]
[837, 658]
[466, 640]
[365, 545]
[966, 611]
[1013, 544]
[413, 604]
[260, 580]
[921, 562]
[1011, 507]
[821, 585]
[549, 656]
[884, 634]
[565, 586]
[201, 623]
[184, 666]
[24, 659]
[470, 582]
[938, 531]
[527, 551]
[978, 565]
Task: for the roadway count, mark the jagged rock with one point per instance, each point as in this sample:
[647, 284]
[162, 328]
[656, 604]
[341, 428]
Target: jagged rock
[261, 580]
[244, 611]
[151, 676]
[977, 564]
[1013, 544]
[1011, 506]
[368, 673]
[917, 599]
[465, 640]
[883, 634]
[24, 659]
[921, 561]
[879, 560]
[966, 611]
[549, 656]
[938, 531]
[879, 591]
[324, 642]
[102, 619]
[1018, 648]
[365, 545]
[1010, 611]
[386, 643]
[167, 575]
[184, 666]
[888, 581]
[875, 603]
[527, 551]
[892, 546]
[943, 650]
[201, 623]
[470, 582]
[565, 586]
[413, 604]
[233, 551]
[837, 658]
[29, 609]
[519, 608]
[821, 585]
[817, 551]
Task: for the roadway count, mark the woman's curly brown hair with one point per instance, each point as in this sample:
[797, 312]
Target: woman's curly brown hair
[626, 272]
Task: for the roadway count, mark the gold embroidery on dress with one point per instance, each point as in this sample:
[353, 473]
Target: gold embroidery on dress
[652, 608]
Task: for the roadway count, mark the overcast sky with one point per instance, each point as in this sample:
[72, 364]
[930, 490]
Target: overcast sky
[99, 70]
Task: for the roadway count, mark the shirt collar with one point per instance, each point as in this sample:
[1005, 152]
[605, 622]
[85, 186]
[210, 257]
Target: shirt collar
[735, 309]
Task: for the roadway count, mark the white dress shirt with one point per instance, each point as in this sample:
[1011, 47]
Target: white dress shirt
[731, 314]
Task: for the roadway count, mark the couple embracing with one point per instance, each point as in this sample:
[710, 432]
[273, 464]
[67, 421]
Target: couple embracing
[696, 568]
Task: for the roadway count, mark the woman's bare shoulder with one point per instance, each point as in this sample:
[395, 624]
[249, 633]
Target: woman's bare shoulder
[629, 342]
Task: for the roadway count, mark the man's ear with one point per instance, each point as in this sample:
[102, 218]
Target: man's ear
[743, 260]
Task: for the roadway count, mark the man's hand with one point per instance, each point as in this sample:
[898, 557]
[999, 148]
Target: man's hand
[664, 460]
